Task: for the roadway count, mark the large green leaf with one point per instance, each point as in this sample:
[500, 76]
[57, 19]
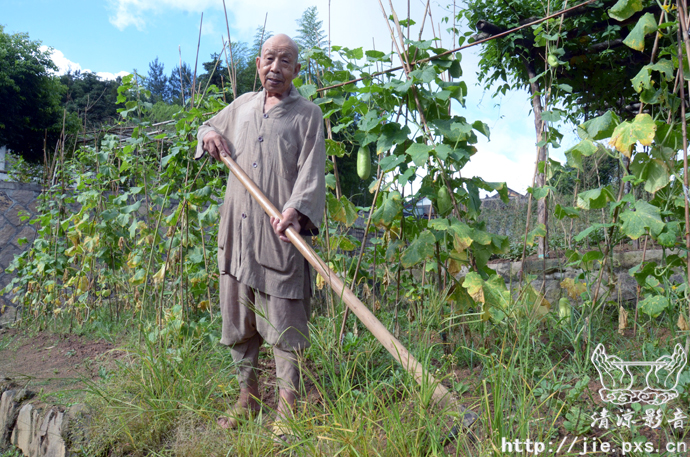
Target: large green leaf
[627, 134]
[390, 209]
[645, 216]
[424, 75]
[538, 232]
[653, 172]
[391, 134]
[422, 248]
[584, 148]
[334, 207]
[645, 26]
[586, 232]
[566, 211]
[463, 234]
[390, 162]
[540, 192]
[482, 128]
[595, 198]
[419, 153]
[369, 121]
[349, 212]
[654, 305]
[131, 208]
[643, 79]
[439, 224]
[668, 237]
[598, 128]
[307, 90]
[623, 9]
[341, 210]
[491, 293]
[342, 242]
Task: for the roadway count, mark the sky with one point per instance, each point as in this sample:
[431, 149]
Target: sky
[114, 37]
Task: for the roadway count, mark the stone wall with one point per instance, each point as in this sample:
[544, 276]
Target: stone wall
[35, 428]
[550, 272]
[15, 198]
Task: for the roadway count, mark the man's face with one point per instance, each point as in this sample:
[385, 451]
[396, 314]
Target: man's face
[277, 66]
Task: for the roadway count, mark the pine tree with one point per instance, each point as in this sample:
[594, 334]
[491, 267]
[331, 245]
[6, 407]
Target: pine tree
[310, 35]
[175, 85]
[157, 82]
[247, 79]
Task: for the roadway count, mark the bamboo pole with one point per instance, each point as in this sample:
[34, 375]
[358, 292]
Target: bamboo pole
[440, 396]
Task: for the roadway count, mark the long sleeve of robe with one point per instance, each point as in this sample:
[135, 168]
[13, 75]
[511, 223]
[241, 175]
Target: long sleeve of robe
[283, 152]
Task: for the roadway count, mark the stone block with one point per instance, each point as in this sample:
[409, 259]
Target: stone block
[27, 232]
[12, 215]
[5, 185]
[23, 196]
[47, 439]
[8, 314]
[7, 231]
[502, 269]
[5, 202]
[553, 291]
[5, 280]
[25, 428]
[7, 253]
[9, 409]
[33, 207]
[536, 266]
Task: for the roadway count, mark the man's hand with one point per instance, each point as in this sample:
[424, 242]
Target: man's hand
[290, 218]
[215, 145]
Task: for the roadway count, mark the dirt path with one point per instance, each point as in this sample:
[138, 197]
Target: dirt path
[56, 365]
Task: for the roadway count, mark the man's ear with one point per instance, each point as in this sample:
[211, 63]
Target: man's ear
[298, 67]
[258, 60]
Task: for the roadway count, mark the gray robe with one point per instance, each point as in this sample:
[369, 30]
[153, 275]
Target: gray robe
[283, 152]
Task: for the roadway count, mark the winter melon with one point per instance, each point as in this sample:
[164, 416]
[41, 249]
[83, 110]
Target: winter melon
[363, 163]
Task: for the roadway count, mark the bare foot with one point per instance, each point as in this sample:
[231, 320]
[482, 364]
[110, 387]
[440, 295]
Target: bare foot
[246, 407]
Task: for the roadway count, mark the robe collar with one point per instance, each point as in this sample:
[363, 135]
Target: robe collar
[283, 106]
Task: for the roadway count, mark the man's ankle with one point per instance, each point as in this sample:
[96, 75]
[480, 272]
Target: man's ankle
[249, 398]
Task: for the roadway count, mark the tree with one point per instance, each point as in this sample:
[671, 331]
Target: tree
[577, 59]
[30, 96]
[179, 83]
[91, 98]
[157, 82]
[247, 79]
[214, 69]
[310, 35]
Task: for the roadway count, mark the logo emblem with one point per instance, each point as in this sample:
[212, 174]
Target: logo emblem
[618, 377]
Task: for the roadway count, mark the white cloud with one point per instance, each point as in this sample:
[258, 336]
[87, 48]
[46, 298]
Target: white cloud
[111, 76]
[506, 158]
[134, 12]
[65, 65]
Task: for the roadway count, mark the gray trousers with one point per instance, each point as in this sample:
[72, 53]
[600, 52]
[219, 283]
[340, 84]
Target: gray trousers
[251, 317]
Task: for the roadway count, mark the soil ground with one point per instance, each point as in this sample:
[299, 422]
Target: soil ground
[57, 366]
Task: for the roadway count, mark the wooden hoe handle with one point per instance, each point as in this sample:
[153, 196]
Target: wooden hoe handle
[441, 396]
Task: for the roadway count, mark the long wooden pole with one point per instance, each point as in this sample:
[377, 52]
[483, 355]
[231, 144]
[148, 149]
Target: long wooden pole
[441, 396]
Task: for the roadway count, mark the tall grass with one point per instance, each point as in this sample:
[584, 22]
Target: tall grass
[168, 392]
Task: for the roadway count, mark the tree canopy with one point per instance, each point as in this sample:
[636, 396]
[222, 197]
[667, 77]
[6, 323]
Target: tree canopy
[29, 94]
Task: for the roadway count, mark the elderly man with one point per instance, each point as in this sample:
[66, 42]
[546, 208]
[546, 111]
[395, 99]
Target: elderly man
[276, 136]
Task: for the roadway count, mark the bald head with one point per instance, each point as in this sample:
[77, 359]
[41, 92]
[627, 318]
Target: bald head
[281, 41]
[277, 65]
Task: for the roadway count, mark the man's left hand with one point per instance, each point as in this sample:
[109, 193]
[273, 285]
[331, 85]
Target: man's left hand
[290, 218]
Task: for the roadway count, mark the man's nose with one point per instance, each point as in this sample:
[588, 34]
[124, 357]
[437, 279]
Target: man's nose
[274, 66]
